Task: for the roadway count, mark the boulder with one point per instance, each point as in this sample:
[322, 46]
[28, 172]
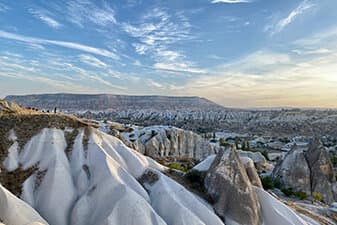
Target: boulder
[230, 188]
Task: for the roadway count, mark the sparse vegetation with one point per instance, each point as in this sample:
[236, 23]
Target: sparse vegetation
[301, 195]
[317, 196]
[223, 142]
[269, 183]
[288, 192]
[177, 166]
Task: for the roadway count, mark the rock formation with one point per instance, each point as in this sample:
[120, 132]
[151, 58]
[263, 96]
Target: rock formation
[167, 141]
[322, 175]
[293, 171]
[229, 186]
[308, 169]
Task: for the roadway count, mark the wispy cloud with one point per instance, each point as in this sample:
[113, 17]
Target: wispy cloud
[157, 33]
[153, 84]
[178, 67]
[70, 45]
[81, 12]
[231, 1]
[45, 18]
[92, 61]
[284, 22]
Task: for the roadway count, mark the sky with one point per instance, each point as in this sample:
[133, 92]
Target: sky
[238, 53]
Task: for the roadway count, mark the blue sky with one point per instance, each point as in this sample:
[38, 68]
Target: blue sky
[240, 53]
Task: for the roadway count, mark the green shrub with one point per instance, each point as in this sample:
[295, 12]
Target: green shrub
[267, 183]
[287, 191]
[177, 166]
[223, 142]
[317, 196]
[277, 184]
[301, 195]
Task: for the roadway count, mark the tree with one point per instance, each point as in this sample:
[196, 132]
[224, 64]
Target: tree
[223, 142]
[237, 143]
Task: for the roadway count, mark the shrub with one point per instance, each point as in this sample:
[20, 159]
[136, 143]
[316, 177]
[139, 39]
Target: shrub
[277, 184]
[287, 191]
[317, 196]
[177, 166]
[301, 195]
[223, 142]
[267, 183]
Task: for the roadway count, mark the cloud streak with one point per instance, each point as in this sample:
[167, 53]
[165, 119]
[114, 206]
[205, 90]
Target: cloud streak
[92, 61]
[156, 33]
[46, 19]
[70, 45]
[81, 12]
[284, 22]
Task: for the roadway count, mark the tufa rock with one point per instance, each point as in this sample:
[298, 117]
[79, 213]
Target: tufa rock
[229, 186]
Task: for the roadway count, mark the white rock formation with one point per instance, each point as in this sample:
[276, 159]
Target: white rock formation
[96, 183]
[167, 141]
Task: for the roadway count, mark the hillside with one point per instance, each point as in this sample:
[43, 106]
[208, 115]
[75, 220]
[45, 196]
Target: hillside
[60, 170]
[108, 102]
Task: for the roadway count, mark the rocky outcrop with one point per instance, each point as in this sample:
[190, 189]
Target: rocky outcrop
[294, 170]
[322, 176]
[308, 169]
[167, 141]
[229, 186]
